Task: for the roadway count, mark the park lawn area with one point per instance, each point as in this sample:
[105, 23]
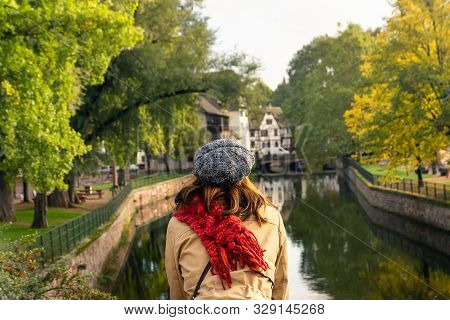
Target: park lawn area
[24, 216]
[57, 216]
[381, 170]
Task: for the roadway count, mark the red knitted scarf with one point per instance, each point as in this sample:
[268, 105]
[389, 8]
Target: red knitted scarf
[225, 238]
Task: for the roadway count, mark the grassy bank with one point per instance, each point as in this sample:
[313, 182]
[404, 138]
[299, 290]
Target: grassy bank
[24, 216]
[57, 216]
[402, 173]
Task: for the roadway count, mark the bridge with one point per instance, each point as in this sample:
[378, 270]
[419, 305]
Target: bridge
[280, 164]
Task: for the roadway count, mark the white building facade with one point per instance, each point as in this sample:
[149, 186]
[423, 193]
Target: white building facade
[271, 138]
[239, 126]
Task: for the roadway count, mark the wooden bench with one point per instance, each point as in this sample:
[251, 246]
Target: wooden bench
[81, 196]
[86, 194]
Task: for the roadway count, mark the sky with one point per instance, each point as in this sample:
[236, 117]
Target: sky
[273, 30]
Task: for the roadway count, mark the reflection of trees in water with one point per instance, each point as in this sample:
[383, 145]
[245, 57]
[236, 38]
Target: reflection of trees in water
[320, 183]
[144, 276]
[428, 255]
[332, 261]
[341, 266]
[392, 281]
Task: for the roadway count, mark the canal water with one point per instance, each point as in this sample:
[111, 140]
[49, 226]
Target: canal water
[336, 250]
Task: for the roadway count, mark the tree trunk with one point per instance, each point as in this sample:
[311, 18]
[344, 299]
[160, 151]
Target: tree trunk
[148, 160]
[40, 211]
[121, 177]
[7, 213]
[166, 162]
[419, 176]
[126, 174]
[59, 199]
[434, 167]
[26, 195]
[114, 175]
[72, 189]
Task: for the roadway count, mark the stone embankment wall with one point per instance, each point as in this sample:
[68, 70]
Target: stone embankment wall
[142, 206]
[432, 212]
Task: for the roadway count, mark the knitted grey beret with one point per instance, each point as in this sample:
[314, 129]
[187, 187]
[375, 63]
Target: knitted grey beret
[222, 161]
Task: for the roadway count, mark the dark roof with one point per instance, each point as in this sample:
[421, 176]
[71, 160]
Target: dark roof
[276, 111]
[278, 114]
[209, 106]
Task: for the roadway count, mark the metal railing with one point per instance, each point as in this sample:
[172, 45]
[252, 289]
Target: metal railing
[432, 190]
[355, 165]
[65, 237]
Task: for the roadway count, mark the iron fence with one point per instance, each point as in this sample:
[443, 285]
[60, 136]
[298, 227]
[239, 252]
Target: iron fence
[65, 237]
[438, 191]
[355, 165]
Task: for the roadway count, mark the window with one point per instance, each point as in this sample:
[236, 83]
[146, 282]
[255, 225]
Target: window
[252, 144]
[225, 124]
[143, 159]
[252, 133]
[275, 132]
[268, 121]
[264, 133]
[276, 144]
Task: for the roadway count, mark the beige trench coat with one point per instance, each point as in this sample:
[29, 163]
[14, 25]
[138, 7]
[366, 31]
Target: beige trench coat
[186, 259]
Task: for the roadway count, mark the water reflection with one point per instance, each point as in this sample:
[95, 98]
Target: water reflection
[342, 267]
[144, 276]
[325, 261]
[280, 191]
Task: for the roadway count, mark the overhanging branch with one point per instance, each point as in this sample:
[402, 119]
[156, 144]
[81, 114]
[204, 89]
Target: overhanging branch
[100, 128]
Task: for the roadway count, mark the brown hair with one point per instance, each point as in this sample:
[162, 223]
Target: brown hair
[241, 199]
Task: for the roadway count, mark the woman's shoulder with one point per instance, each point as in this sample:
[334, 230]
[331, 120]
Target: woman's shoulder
[272, 214]
[274, 217]
[177, 228]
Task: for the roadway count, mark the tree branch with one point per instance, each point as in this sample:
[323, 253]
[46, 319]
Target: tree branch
[100, 128]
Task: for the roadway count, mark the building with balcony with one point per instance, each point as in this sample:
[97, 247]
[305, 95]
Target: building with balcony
[272, 136]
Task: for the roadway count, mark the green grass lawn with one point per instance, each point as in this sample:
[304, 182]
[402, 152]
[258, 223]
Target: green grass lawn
[55, 216]
[381, 170]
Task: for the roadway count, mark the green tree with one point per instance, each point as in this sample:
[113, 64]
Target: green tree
[50, 50]
[180, 128]
[401, 115]
[256, 95]
[171, 60]
[148, 88]
[281, 93]
[128, 111]
[323, 76]
[150, 136]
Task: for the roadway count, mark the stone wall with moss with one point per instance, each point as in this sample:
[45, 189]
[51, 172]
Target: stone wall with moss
[433, 212]
[111, 242]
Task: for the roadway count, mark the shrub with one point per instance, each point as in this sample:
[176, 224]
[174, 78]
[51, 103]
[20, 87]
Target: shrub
[21, 276]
